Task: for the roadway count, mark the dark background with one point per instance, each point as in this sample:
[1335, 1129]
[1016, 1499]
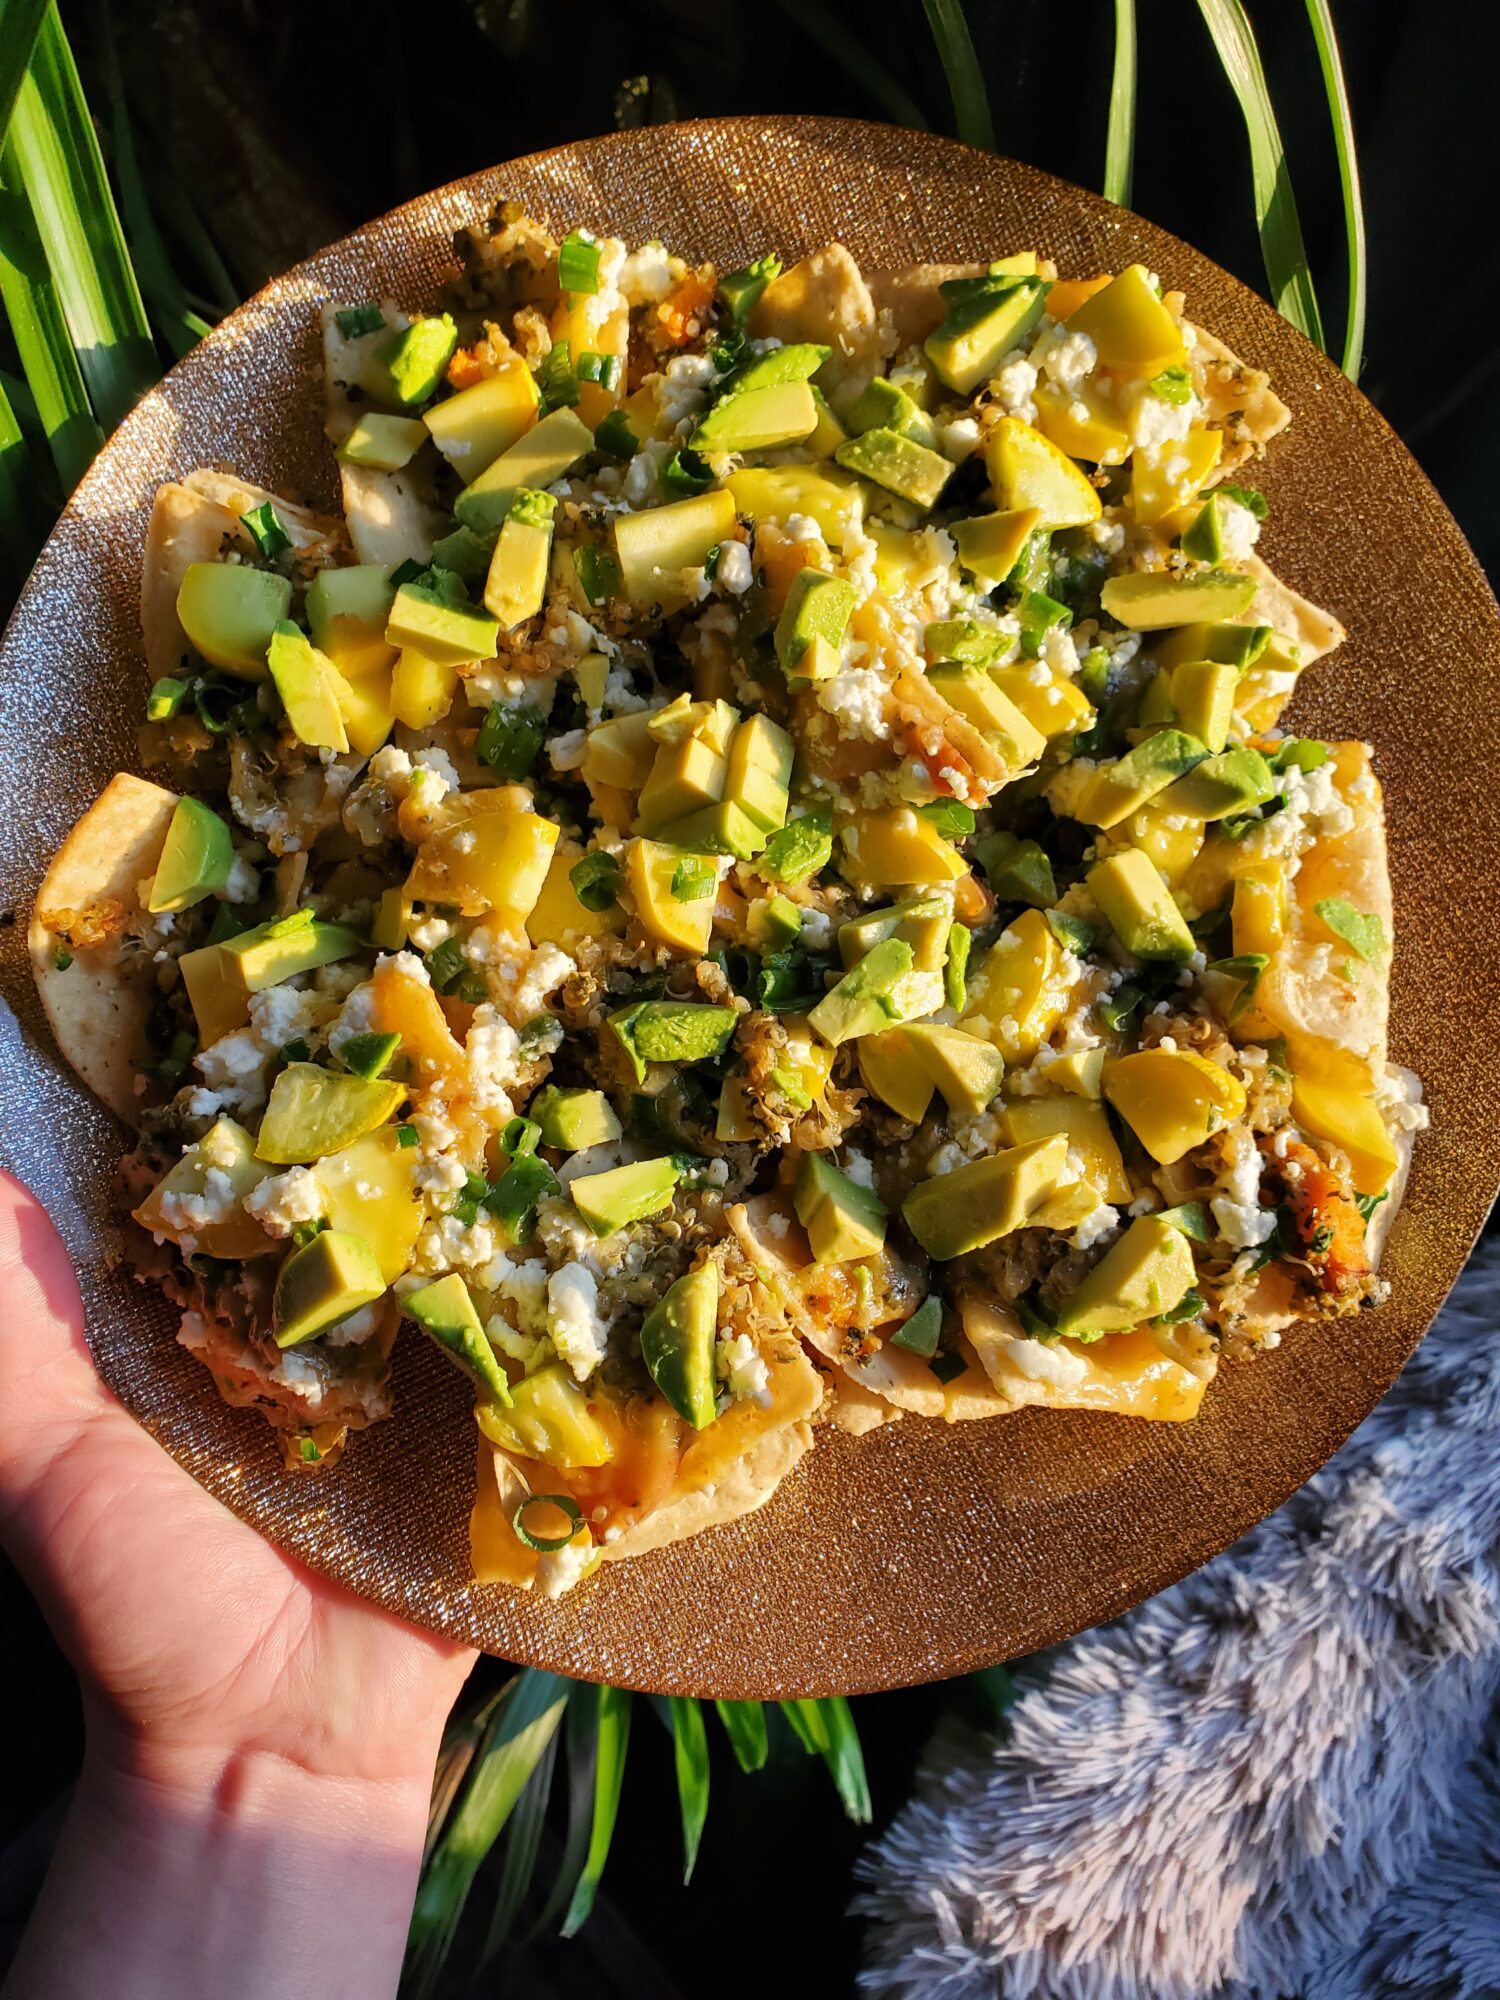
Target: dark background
[263, 131]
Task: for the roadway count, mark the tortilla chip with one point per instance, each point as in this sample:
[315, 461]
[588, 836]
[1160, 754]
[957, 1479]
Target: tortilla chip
[1276, 604]
[856, 1409]
[911, 297]
[825, 299]
[98, 1004]
[1232, 391]
[1142, 1373]
[393, 517]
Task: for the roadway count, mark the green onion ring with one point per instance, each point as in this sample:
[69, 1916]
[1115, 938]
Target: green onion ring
[545, 1545]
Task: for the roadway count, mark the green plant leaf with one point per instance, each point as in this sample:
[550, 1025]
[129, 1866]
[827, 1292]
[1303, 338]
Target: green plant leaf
[612, 1747]
[1321, 15]
[57, 161]
[745, 1725]
[971, 104]
[806, 1726]
[582, 1733]
[1276, 215]
[826, 1729]
[847, 47]
[20, 21]
[461, 1740]
[523, 1838]
[40, 332]
[690, 1755]
[521, 1726]
[1119, 148]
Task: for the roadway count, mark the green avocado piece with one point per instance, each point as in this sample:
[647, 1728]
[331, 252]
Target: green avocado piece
[843, 1220]
[981, 328]
[1116, 790]
[761, 757]
[923, 922]
[315, 1111]
[919, 1334]
[406, 368]
[986, 1199]
[818, 606]
[464, 554]
[1149, 600]
[359, 595]
[368, 1055]
[757, 419]
[574, 1119]
[1018, 871]
[538, 458]
[446, 1312]
[304, 680]
[864, 1001]
[1203, 694]
[1139, 906]
[724, 828]
[229, 611]
[981, 701]
[965, 1069]
[884, 406]
[383, 442]
[437, 628]
[966, 641]
[675, 1031]
[325, 1281]
[1228, 645]
[266, 954]
[1203, 538]
[677, 1344]
[772, 924]
[1145, 1274]
[1230, 782]
[798, 361]
[195, 859]
[516, 583]
[910, 470]
[622, 1195]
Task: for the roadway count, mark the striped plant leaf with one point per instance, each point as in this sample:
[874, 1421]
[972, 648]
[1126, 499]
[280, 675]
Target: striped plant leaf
[690, 1756]
[20, 21]
[826, 1729]
[971, 104]
[1321, 15]
[1119, 148]
[612, 1745]
[41, 336]
[745, 1726]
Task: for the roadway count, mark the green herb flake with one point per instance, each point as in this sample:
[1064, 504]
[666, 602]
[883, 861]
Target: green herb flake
[1248, 497]
[1189, 1306]
[1363, 934]
[1071, 931]
[919, 1334]
[510, 738]
[406, 1135]
[62, 959]
[596, 881]
[949, 817]
[1173, 385]
[264, 526]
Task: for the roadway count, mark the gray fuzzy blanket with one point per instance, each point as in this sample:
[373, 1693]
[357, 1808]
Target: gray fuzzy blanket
[1277, 1780]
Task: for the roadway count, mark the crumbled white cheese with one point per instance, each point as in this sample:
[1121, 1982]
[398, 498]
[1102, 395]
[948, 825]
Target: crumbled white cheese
[1242, 1222]
[491, 1058]
[735, 572]
[856, 699]
[740, 1367]
[1238, 529]
[557, 1570]
[646, 275]
[1046, 1361]
[183, 1212]
[234, 1068]
[959, 439]
[1068, 359]
[525, 1287]
[243, 882]
[200, 1103]
[802, 528]
[578, 1333]
[1398, 1099]
[283, 1201]
[859, 1169]
[355, 1017]
[1098, 1226]
[427, 933]
[1013, 387]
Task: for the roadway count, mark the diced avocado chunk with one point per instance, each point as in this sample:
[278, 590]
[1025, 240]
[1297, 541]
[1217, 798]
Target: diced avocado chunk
[229, 611]
[758, 781]
[1139, 906]
[910, 470]
[369, 1054]
[1150, 600]
[990, 545]
[685, 775]
[1233, 781]
[818, 606]
[406, 368]
[334, 1275]
[446, 1312]
[268, 953]
[1019, 871]
[758, 419]
[1229, 645]
[675, 1031]
[445, 632]
[350, 604]
[965, 1069]
[864, 1000]
[1116, 790]
[977, 698]
[622, 1195]
[884, 406]
[922, 922]
[677, 1344]
[516, 583]
[772, 923]
[724, 828]
[1203, 538]
[538, 459]
[195, 858]
[383, 442]
[1203, 694]
[843, 1220]
[574, 1119]
[315, 1111]
[655, 547]
[308, 686]
[981, 329]
[1147, 1273]
[796, 361]
[967, 641]
[983, 1200]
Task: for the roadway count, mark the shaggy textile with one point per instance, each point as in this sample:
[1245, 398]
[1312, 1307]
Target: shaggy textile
[1276, 1781]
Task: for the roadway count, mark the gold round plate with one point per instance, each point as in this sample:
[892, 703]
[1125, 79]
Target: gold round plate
[923, 1550]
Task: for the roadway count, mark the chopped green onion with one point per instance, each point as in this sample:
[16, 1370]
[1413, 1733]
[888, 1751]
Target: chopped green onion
[800, 850]
[355, 320]
[1283, 1242]
[788, 983]
[520, 1137]
[406, 1135]
[309, 1452]
[1368, 1203]
[264, 527]
[555, 380]
[951, 817]
[947, 1366]
[598, 572]
[466, 1202]
[446, 964]
[304, 1232]
[547, 1544]
[741, 290]
[368, 1055]
[1234, 826]
[1071, 931]
[1247, 969]
[228, 922]
[919, 1334]
[578, 262]
[62, 959]
[1040, 614]
[166, 698]
[596, 881]
[1119, 1008]
[295, 1050]
[179, 1054]
[1189, 1306]
[513, 1198]
[615, 436]
[1173, 385]
[407, 572]
[509, 739]
[601, 368]
[685, 473]
[225, 708]
[539, 1030]
[1191, 1218]
[1038, 1321]
[692, 880]
[1093, 674]
[956, 969]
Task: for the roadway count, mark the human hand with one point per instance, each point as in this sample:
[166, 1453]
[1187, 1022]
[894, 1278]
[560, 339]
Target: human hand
[229, 1692]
